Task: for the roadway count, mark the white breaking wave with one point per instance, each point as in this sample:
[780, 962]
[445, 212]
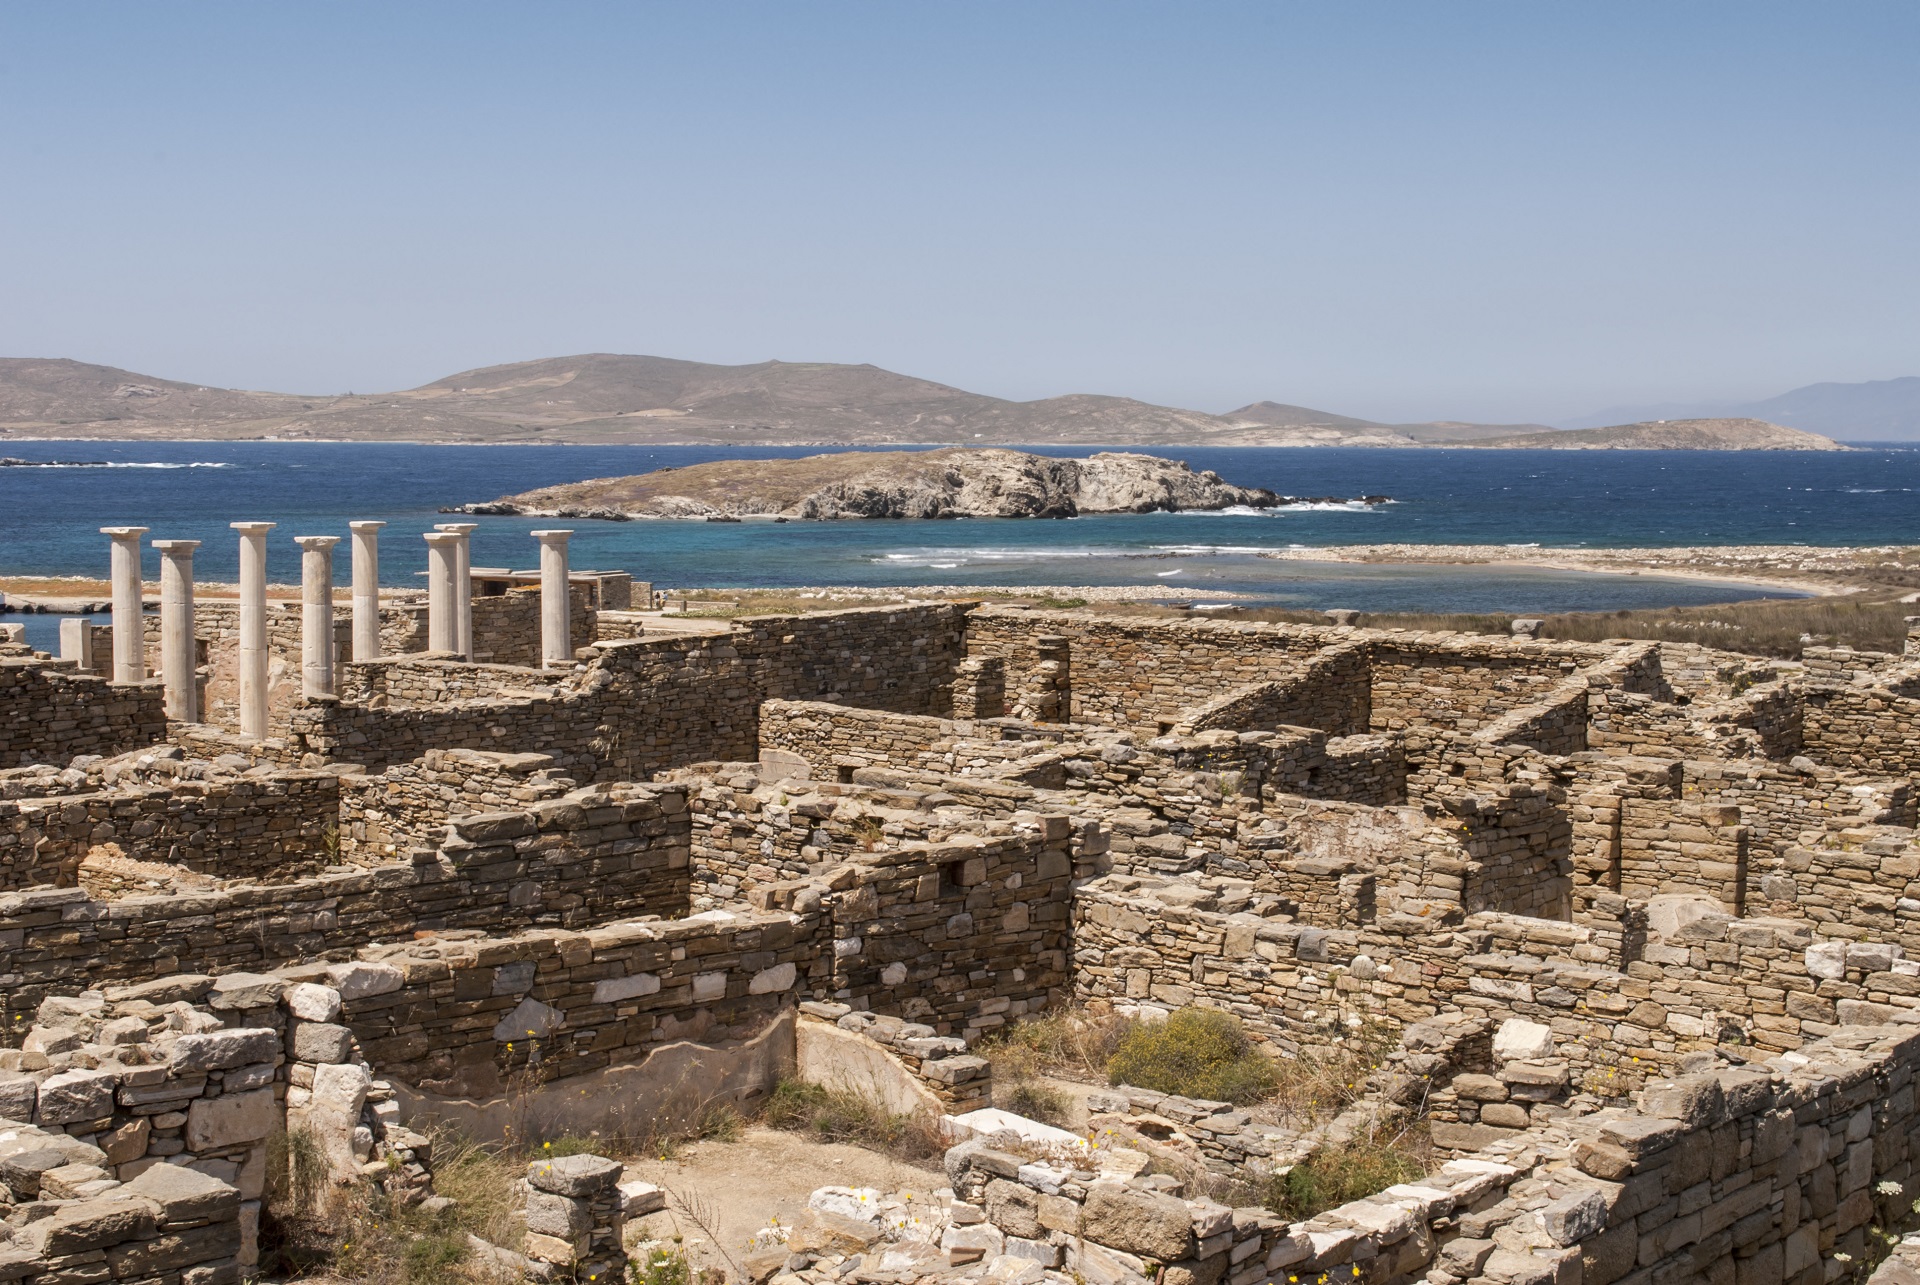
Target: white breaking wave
[127, 464]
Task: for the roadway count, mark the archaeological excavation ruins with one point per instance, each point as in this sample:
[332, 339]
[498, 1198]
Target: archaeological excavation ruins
[1634, 916]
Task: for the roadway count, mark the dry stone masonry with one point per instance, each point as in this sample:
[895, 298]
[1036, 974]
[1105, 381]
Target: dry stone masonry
[1638, 923]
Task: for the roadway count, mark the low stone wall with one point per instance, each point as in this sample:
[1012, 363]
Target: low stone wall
[593, 856]
[837, 740]
[650, 704]
[506, 627]
[928, 932]
[1330, 693]
[235, 827]
[470, 1018]
[940, 1066]
[1868, 729]
[50, 714]
[409, 804]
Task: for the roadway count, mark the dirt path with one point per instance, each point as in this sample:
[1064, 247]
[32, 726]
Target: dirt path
[735, 1187]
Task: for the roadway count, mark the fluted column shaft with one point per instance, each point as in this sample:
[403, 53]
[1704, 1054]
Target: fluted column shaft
[366, 590]
[129, 630]
[556, 628]
[316, 615]
[177, 648]
[462, 584]
[253, 626]
[442, 555]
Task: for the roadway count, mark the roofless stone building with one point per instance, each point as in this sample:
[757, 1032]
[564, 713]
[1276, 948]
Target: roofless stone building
[1639, 913]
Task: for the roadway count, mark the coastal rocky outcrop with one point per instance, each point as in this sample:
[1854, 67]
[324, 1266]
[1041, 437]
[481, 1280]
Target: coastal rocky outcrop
[952, 483]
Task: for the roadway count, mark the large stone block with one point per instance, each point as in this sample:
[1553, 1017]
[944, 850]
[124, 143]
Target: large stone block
[74, 1096]
[220, 1050]
[321, 1042]
[579, 1176]
[184, 1195]
[213, 1123]
[1150, 1224]
[357, 980]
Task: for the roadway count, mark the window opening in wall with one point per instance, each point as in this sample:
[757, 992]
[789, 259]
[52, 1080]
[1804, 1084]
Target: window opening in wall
[844, 774]
[950, 885]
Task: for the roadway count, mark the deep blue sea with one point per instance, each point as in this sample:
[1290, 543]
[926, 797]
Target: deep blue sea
[50, 519]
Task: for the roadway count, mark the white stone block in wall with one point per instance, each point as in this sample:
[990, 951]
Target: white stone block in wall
[769, 981]
[615, 989]
[311, 1002]
[709, 986]
[358, 980]
[1518, 1040]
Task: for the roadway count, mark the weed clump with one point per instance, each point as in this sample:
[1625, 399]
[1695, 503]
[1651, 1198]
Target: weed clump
[1196, 1053]
[1337, 1174]
[842, 1115]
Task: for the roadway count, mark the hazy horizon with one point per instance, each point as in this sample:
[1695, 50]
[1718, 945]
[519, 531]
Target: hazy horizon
[1487, 212]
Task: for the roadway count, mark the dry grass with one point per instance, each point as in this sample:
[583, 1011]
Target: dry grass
[842, 1115]
[1348, 1171]
[1196, 1053]
[1320, 1081]
[1070, 1043]
[357, 1233]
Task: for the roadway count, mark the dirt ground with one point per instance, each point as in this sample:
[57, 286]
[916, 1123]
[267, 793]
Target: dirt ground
[735, 1187]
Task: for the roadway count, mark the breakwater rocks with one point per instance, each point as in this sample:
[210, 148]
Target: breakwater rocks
[951, 483]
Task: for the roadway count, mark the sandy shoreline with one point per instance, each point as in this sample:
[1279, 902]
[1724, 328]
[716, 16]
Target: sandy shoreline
[1818, 571]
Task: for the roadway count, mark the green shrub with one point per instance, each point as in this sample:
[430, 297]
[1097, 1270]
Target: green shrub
[1196, 1053]
[1337, 1174]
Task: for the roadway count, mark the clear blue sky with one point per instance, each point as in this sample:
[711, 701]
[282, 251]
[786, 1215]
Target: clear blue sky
[1416, 210]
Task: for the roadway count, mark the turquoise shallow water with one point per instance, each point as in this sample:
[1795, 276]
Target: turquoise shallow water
[49, 519]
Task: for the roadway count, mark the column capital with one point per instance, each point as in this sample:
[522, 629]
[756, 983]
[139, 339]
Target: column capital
[458, 528]
[316, 542]
[359, 527]
[125, 532]
[253, 528]
[440, 537]
[551, 537]
[175, 546]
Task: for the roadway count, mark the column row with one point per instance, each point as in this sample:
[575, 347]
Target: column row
[449, 610]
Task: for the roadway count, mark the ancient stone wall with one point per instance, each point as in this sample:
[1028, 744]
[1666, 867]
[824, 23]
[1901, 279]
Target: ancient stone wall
[1331, 693]
[592, 857]
[234, 827]
[506, 627]
[464, 1018]
[834, 740]
[1145, 673]
[409, 804]
[1868, 729]
[49, 714]
[650, 704]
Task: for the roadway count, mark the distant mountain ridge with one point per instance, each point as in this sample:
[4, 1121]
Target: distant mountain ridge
[615, 398]
[1878, 410]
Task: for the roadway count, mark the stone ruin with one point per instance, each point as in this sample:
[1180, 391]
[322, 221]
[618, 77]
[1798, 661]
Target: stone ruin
[1638, 917]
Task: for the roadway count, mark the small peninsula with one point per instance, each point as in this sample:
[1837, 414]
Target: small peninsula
[1665, 435]
[952, 483]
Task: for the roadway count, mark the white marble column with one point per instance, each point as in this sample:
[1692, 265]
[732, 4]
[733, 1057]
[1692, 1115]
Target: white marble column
[442, 554]
[556, 633]
[253, 626]
[462, 584]
[129, 630]
[177, 647]
[316, 615]
[366, 590]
